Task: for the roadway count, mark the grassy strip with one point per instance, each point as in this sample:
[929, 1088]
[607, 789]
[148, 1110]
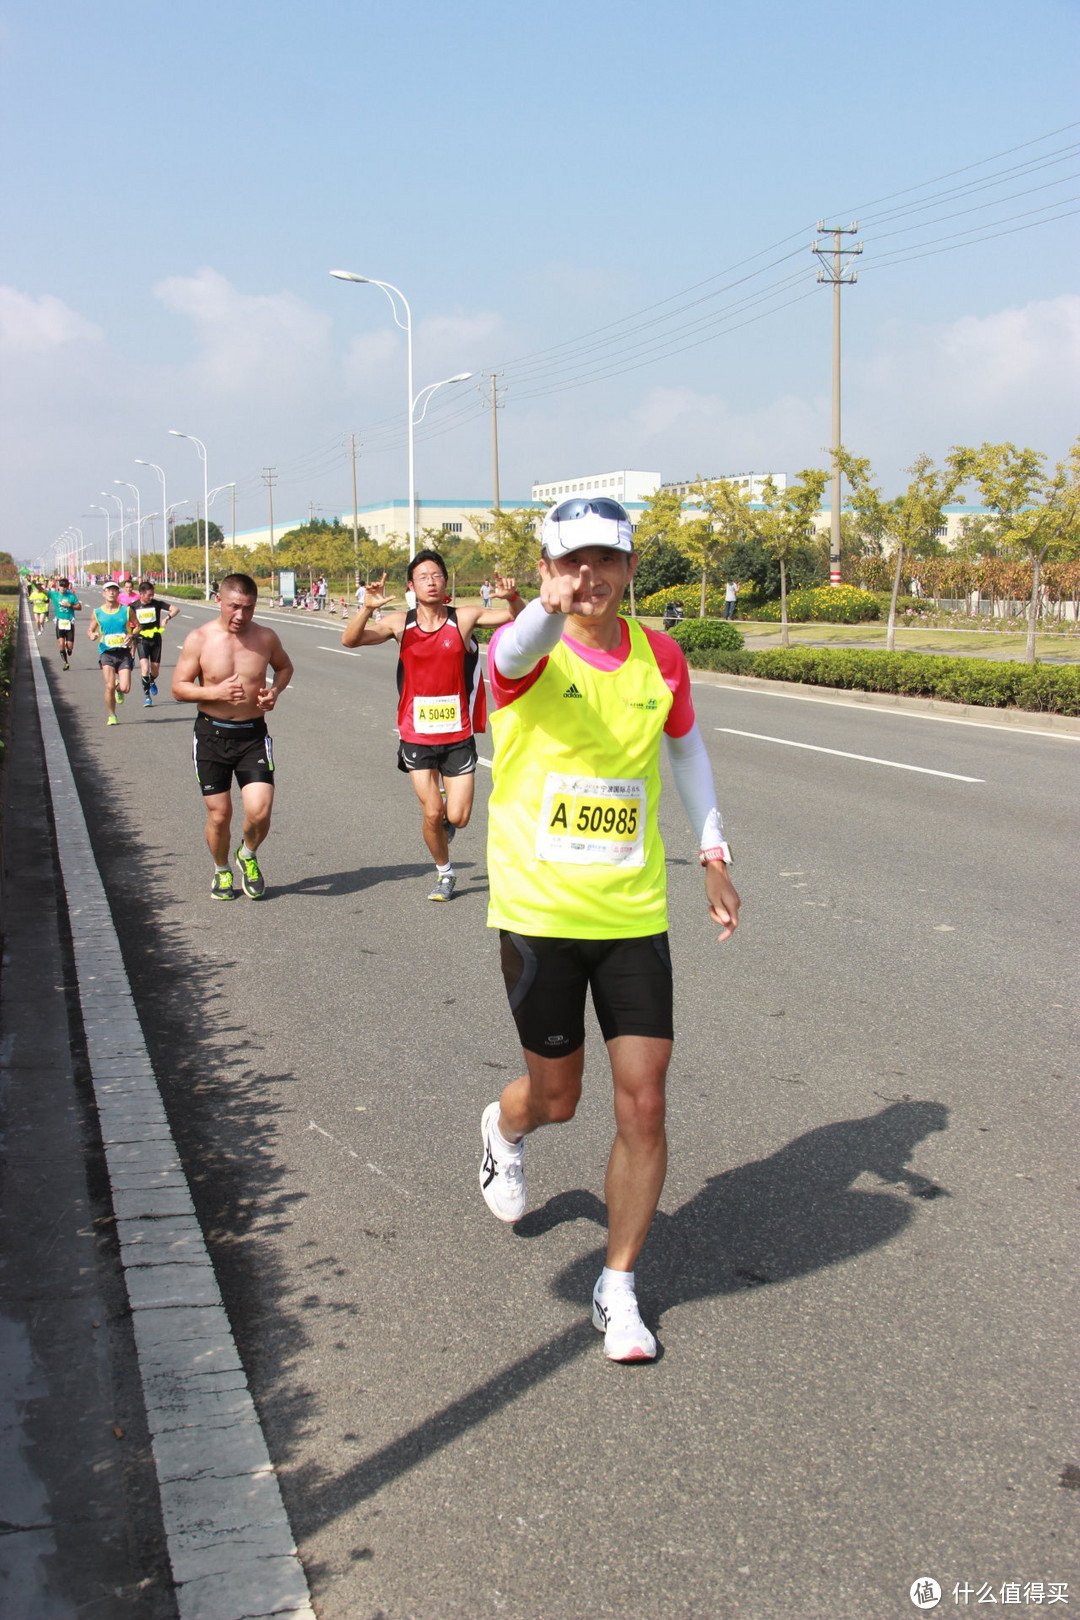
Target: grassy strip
[1046, 688]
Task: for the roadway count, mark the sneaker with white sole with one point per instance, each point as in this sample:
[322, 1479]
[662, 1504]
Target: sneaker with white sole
[251, 879]
[615, 1314]
[444, 887]
[502, 1177]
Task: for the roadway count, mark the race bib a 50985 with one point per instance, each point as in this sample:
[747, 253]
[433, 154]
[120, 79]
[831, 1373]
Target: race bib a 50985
[592, 820]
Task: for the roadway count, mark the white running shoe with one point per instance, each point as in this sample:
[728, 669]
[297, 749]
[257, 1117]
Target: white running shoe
[626, 1338]
[502, 1178]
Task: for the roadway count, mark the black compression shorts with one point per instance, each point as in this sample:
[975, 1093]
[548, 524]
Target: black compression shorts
[150, 647]
[449, 759]
[222, 749]
[547, 980]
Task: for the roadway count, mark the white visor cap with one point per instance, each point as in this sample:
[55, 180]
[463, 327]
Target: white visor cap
[586, 521]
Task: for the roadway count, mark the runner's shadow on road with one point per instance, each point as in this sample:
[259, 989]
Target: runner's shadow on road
[774, 1219]
[326, 884]
[769, 1221]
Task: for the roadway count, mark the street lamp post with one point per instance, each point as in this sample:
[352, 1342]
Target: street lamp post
[120, 546]
[138, 519]
[169, 510]
[108, 534]
[406, 326]
[165, 509]
[206, 501]
[218, 491]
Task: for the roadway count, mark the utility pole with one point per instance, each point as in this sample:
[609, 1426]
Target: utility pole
[495, 436]
[270, 479]
[355, 517]
[834, 275]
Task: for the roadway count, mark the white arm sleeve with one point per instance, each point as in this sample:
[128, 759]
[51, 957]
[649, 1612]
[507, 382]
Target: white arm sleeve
[694, 779]
[530, 637]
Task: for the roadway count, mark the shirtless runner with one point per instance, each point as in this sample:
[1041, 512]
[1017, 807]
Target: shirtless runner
[222, 667]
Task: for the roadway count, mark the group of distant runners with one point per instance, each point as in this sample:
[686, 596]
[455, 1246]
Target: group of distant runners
[576, 867]
[127, 625]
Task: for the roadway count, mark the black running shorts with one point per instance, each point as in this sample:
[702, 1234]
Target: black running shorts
[547, 979]
[150, 647]
[65, 633]
[223, 749]
[449, 759]
[117, 657]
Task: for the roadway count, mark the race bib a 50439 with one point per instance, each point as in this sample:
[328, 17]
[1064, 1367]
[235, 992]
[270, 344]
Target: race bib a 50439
[432, 715]
[592, 820]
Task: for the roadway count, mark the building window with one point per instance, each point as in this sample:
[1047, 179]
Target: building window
[451, 528]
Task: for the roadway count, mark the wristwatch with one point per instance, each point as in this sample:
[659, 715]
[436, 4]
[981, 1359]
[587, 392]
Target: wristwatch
[719, 852]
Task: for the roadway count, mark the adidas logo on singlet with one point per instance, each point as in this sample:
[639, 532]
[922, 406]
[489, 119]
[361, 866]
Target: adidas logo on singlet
[572, 691]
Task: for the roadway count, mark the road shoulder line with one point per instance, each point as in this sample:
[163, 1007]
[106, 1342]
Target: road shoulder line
[230, 1543]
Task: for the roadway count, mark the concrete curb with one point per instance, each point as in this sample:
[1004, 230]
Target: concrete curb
[1029, 721]
[230, 1544]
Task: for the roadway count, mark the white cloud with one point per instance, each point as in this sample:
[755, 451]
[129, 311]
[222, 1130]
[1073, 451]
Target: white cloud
[370, 360]
[35, 326]
[1014, 375]
[264, 340]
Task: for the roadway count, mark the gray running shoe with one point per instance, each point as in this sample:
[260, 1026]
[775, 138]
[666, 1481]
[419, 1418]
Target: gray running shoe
[449, 829]
[444, 887]
[223, 887]
[502, 1178]
[251, 879]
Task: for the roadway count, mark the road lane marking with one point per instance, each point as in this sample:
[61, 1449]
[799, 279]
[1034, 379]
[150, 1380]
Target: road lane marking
[354, 1155]
[346, 650]
[840, 753]
[903, 714]
[480, 760]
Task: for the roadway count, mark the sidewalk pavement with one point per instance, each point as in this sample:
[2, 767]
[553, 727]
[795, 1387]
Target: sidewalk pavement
[80, 1528]
[138, 1485]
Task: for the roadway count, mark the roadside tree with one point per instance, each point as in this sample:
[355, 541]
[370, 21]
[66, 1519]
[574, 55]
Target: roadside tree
[725, 521]
[1037, 515]
[908, 524]
[784, 522]
[511, 540]
[191, 534]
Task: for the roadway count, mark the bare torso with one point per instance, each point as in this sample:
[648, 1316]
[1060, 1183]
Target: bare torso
[236, 659]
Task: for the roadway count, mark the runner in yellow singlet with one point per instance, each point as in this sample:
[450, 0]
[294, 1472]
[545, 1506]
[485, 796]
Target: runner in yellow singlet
[576, 868]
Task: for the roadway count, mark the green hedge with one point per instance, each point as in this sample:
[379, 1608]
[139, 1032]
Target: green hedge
[9, 587]
[824, 604]
[1049, 688]
[689, 596]
[187, 593]
[710, 633]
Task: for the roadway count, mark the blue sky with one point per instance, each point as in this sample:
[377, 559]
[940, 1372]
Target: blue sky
[179, 181]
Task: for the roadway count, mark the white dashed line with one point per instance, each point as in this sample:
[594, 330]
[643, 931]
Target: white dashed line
[840, 753]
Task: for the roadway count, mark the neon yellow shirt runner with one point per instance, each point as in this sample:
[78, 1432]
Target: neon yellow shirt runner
[574, 849]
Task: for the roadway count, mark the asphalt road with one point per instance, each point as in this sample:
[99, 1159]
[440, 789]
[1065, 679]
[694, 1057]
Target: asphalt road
[860, 1274]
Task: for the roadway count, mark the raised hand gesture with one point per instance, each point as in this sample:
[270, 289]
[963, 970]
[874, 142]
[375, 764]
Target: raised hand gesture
[375, 597]
[571, 593]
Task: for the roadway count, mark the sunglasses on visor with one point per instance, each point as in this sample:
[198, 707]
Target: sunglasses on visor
[582, 506]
